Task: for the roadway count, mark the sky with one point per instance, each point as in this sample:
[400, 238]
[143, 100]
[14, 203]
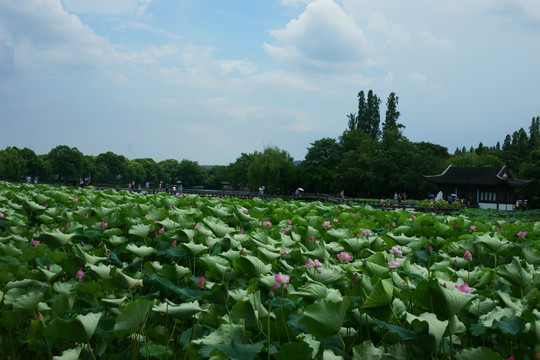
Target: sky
[209, 80]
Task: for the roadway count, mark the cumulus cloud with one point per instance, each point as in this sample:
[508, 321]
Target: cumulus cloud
[114, 7]
[437, 41]
[41, 33]
[417, 78]
[323, 37]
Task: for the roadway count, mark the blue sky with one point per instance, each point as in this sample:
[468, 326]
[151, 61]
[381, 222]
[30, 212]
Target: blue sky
[207, 80]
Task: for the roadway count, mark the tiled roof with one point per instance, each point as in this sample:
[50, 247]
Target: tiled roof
[476, 176]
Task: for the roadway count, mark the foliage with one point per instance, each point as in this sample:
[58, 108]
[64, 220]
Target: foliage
[90, 274]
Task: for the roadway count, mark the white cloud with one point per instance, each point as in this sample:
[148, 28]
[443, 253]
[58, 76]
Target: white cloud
[323, 37]
[114, 7]
[41, 33]
[217, 101]
[438, 42]
[417, 78]
[295, 2]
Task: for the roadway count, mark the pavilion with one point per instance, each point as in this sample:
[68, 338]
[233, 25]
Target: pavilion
[487, 187]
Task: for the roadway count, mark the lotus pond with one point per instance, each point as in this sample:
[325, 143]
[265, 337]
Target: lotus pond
[88, 274]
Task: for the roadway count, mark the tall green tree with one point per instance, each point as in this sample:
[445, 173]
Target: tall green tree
[318, 170]
[12, 164]
[191, 173]
[274, 169]
[115, 165]
[238, 171]
[150, 169]
[67, 163]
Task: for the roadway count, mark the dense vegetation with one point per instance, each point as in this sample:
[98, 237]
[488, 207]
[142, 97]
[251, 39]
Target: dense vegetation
[369, 159]
[90, 274]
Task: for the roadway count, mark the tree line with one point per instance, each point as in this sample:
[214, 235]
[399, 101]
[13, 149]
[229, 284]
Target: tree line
[370, 159]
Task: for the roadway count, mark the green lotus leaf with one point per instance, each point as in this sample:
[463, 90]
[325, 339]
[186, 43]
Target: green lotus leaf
[354, 244]
[368, 351]
[436, 327]
[140, 230]
[193, 249]
[132, 317]
[225, 333]
[140, 251]
[233, 350]
[173, 272]
[515, 274]
[312, 290]
[46, 219]
[169, 224]
[531, 255]
[448, 301]
[381, 295]
[120, 280]
[269, 255]
[495, 315]
[241, 215]
[181, 312]
[482, 353]
[11, 250]
[340, 233]
[69, 354]
[55, 238]
[62, 287]
[230, 255]
[114, 302]
[493, 243]
[325, 317]
[112, 232]
[78, 330]
[102, 270]
[102, 212]
[116, 240]
[34, 206]
[155, 213]
[186, 235]
[218, 227]
[252, 265]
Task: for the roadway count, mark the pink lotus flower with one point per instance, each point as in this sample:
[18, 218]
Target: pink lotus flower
[288, 221]
[287, 229]
[521, 234]
[467, 256]
[162, 230]
[201, 282]
[315, 265]
[464, 288]
[79, 274]
[344, 257]
[413, 217]
[456, 225]
[174, 243]
[197, 226]
[367, 233]
[241, 231]
[86, 216]
[104, 224]
[326, 225]
[393, 224]
[34, 242]
[266, 223]
[155, 222]
[75, 198]
[46, 205]
[170, 206]
[496, 229]
[473, 227]
[2, 216]
[392, 264]
[396, 252]
[155, 233]
[311, 238]
[39, 315]
[281, 281]
[336, 220]
[355, 277]
[283, 251]
[245, 210]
